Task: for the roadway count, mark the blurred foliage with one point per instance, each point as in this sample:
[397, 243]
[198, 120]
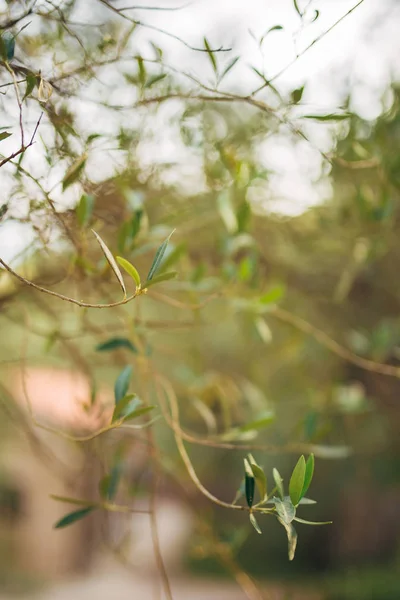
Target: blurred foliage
[279, 335]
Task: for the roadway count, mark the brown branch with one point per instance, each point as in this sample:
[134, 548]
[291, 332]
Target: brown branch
[119, 12]
[23, 147]
[67, 298]
[322, 338]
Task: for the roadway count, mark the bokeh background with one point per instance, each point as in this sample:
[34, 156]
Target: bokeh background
[280, 331]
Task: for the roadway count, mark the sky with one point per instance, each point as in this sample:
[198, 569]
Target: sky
[361, 52]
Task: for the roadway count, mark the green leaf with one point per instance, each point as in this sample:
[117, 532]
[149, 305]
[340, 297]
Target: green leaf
[263, 330]
[122, 383]
[92, 137]
[226, 211]
[72, 501]
[249, 483]
[296, 6]
[292, 538]
[172, 257]
[270, 30]
[138, 412]
[316, 15]
[160, 278]
[264, 420]
[312, 522]
[130, 269]
[73, 517]
[297, 94]
[254, 523]
[142, 70]
[278, 482]
[7, 46]
[240, 492]
[229, 67]
[260, 478]
[155, 79]
[4, 135]
[121, 406]
[285, 508]
[211, 55]
[115, 343]
[158, 258]
[309, 472]
[296, 483]
[111, 262]
[273, 295]
[84, 209]
[329, 117]
[74, 171]
[109, 484]
[31, 81]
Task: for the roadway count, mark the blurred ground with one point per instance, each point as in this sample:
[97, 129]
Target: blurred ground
[114, 581]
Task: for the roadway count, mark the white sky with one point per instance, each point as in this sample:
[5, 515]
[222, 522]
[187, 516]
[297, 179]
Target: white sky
[361, 52]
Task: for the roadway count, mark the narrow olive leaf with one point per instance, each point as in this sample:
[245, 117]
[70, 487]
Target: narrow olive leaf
[254, 523]
[278, 482]
[261, 480]
[316, 15]
[121, 406]
[141, 70]
[292, 538]
[227, 212]
[332, 452]
[273, 295]
[122, 383]
[309, 472]
[296, 6]
[274, 28]
[211, 55]
[130, 269]
[296, 483]
[4, 135]
[240, 492]
[307, 501]
[285, 509]
[155, 79]
[172, 257]
[73, 517]
[111, 262]
[138, 412]
[75, 501]
[158, 257]
[84, 209]
[229, 67]
[31, 81]
[330, 117]
[312, 522]
[115, 344]
[7, 45]
[73, 172]
[249, 483]
[104, 484]
[109, 484]
[160, 278]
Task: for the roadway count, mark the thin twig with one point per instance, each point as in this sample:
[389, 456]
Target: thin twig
[67, 298]
[307, 48]
[322, 338]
